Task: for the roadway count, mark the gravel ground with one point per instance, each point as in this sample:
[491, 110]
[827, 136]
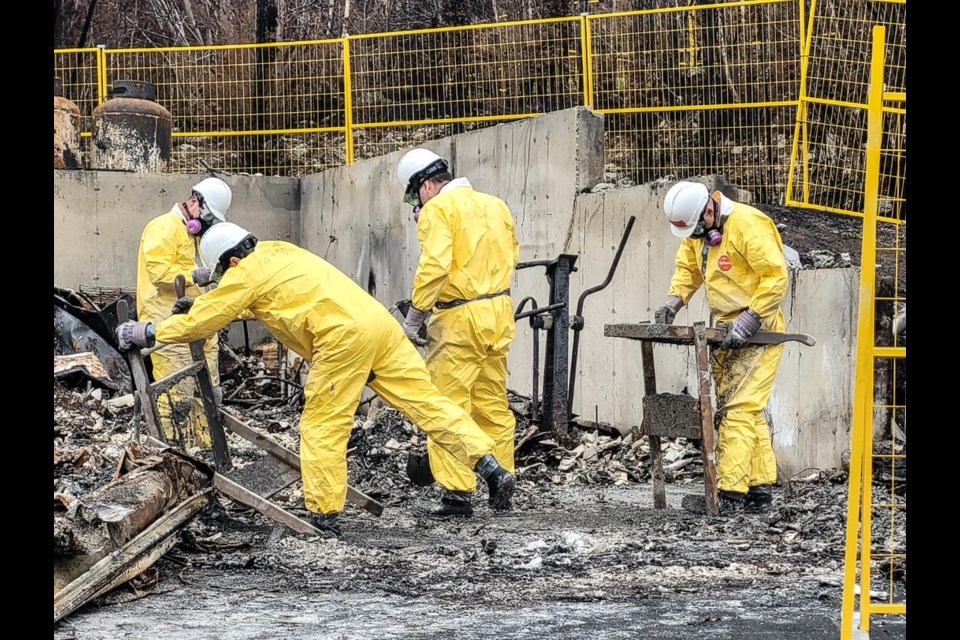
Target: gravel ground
[583, 555]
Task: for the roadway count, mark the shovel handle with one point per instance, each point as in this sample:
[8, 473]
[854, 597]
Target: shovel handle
[180, 284]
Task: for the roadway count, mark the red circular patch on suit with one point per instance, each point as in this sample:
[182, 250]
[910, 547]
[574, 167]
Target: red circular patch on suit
[725, 263]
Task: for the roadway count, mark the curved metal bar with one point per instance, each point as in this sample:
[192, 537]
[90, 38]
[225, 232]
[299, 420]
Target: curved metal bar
[577, 324]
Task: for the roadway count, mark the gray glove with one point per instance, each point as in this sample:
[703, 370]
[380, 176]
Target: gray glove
[182, 305]
[201, 276]
[218, 395]
[667, 313]
[412, 324]
[139, 334]
[741, 330]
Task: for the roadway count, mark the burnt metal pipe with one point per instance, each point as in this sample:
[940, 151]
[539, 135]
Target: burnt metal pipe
[555, 320]
[577, 322]
[536, 323]
[538, 311]
[534, 263]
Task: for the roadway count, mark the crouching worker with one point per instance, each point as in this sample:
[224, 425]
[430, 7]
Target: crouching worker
[351, 341]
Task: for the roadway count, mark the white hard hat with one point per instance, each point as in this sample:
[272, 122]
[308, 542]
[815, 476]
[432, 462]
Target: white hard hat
[216, 196]
[683, 205]
[417, 165]
[219, 239]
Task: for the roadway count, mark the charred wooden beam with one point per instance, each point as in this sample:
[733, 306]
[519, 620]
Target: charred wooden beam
[129, 560]
[656, 450]
[291, 459]
[249, 498]
[98, 523]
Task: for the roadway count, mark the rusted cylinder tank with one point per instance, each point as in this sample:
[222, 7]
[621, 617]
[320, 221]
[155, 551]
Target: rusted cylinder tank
[67, 152]
[131, 132]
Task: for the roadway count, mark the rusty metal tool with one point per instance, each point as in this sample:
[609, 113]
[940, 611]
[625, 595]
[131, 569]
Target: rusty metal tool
[221, 452]
[678, 334]
[141, 383]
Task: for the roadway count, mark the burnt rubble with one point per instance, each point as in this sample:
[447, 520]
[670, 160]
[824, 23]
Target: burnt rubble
[583, 526]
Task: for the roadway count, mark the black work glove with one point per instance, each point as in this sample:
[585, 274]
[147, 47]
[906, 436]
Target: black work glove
[666, 313]
[182, 305]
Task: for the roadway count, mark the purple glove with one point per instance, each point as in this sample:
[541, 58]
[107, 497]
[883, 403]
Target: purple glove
[201, 276]
[742, 329]
[666, 313]
[139, 334]
[412, 324]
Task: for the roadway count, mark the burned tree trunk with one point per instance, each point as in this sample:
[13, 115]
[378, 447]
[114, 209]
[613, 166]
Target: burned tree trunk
[87, 529]
[267, 21]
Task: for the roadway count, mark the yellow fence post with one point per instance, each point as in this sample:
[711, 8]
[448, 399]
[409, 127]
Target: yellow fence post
[347, 100]
[801, 113]
[586, 50]
[517, 64]
[862, 447]
[101, 74]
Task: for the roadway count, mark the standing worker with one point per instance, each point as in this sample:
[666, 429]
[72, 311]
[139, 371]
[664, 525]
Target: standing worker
[349, 339]
[469, 249]
[168, 248]
[737, 251]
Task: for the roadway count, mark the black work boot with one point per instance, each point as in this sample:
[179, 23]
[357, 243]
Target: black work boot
[418, 470]
[730, 503]
[453, 504]
[329, 523]
[500, 483]
[759, 499]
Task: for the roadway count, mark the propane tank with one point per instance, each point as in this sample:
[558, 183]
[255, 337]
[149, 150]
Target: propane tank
[131, 132]
[67, 153]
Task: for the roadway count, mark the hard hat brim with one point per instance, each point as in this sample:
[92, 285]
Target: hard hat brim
[682, 232]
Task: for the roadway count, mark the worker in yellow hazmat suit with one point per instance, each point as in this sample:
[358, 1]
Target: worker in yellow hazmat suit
[469, 249]
[168, 248]
[350, 340]
[736, 251]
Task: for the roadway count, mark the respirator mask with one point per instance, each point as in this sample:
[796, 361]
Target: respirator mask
[713, 237]
[199, 226]
[412, 198]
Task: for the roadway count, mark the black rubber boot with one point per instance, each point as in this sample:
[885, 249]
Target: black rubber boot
[327, 523]
[418, 470]
[500, 483]
[759, 499]
[453, 504]
[729, 503]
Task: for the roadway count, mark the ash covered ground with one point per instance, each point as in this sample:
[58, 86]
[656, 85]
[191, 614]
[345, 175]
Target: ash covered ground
[584, 555]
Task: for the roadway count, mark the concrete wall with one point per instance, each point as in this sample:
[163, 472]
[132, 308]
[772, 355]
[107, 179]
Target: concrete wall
[354, 217]
[811, 408]
[98, 217]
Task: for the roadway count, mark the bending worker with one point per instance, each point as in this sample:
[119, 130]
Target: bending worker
[168, 248]
[469, 249]
[737, 251]
[350, 340]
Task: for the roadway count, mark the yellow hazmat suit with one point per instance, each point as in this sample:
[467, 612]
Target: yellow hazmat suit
[469, 249]
[746, 270]
[166, 251]
[351, 341]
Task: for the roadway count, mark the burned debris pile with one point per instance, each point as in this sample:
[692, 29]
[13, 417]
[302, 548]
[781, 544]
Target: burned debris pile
[579, 525]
